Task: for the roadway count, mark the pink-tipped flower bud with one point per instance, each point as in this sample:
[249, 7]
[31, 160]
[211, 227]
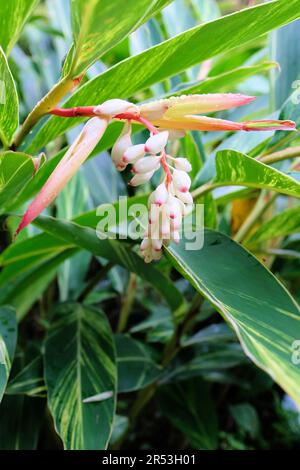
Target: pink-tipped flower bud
[156, 254]
[181, 181]
[121, 144]
[173, 208]
[182, 164]
[175, 236]
[146, 244]
[165, 225]
[186, 198]
[114, 107]
[156, 244]
[160, 195]
[154, 212]
[157, 142]
[133, 153]
[141, 178]
[144, 165]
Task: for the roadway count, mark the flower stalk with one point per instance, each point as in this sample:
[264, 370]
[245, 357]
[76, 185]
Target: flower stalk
[171, 200]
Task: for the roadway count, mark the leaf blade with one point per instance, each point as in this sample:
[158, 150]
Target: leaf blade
[263, 314]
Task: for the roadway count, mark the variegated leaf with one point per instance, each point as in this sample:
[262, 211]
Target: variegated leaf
[8, 338]
[80, 363]
[264, 315]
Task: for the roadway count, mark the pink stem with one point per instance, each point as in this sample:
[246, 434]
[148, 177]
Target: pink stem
[89, 111]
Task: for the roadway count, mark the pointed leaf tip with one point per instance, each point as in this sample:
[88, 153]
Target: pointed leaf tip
[269, 125]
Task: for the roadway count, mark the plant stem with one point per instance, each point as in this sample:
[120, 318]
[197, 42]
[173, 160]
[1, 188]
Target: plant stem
[205, 188]
[44, 106]
[290, 152]
[127, 303]
[291, 136]
[260, 207]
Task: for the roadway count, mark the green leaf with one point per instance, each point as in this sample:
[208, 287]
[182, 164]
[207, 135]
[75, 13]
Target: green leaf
[225, 81]
[8, 339]
[197, 419]
[175, 55]
[263, 314]
[29, 381]
[284, 50]
[13, 16]
[246, 419]
[289, 111]
[236, 169]
[116, 251]
[27, 288]
[98, 26]
[215, 333]
[80, 363]
[136, 368]
[9, 103]
[21, 418]
[16, 169]
[209, 360]
[285, 223]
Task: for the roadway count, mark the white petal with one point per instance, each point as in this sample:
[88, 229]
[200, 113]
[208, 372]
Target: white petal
[156, 254]
[154, 213]
[146, 243]
[113, 107]
[160, 195]
[173, 208]
[156, 143]
[133, 153]
[121, 145]
[144, 165]
[175, 236]
[183, 164]
[156, 244]
[187, 198]
[141, 178]
[181, 180]
[165, 225]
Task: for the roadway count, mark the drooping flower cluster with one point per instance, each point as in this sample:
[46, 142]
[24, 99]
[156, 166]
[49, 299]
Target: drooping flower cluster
[171, 200]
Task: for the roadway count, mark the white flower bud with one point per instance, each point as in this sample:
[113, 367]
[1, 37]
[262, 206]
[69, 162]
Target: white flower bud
[186, 198]
[156, 254]
[154, 213]
[183, 164]
[121, 144]
[133, 153]
[176, 223]
[146, 243]
[115, 106]
[157, 142]
[173, 208]
[160, 195]
[181, 181]
[141, 178]
[144, 165]
[175, 236]
[156, 244]
[165, 225]
[188, 208]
